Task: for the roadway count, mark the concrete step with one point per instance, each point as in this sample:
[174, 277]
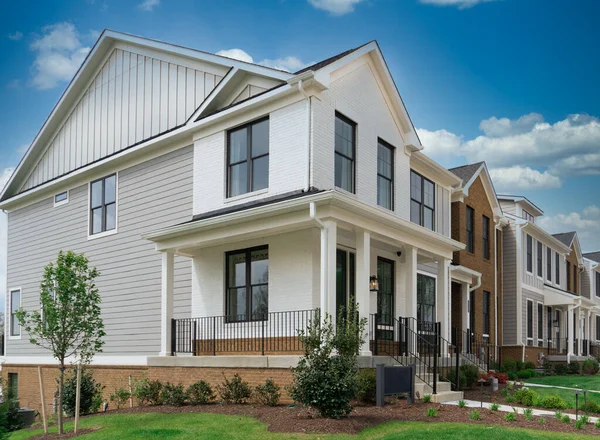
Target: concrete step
[447, 396]
[423, 388]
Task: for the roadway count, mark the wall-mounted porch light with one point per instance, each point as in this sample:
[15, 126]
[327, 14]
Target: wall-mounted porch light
[373, 284]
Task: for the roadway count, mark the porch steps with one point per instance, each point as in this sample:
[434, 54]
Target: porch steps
[444, 391]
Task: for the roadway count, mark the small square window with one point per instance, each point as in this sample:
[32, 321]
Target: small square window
[61, 198]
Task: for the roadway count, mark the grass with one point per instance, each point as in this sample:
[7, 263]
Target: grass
[222, 427]
[567, 395]
[587, 382]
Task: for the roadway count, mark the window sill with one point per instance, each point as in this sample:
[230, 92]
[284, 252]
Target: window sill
[102, 234]
[246, 195]
[14, 338]
[346, 192]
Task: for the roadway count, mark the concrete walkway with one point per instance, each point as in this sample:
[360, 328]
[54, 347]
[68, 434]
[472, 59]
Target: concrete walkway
[531, 385]
[506, 408]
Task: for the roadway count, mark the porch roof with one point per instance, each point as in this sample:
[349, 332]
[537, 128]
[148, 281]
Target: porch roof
[464, 274]
[558, 297]
[292, 214]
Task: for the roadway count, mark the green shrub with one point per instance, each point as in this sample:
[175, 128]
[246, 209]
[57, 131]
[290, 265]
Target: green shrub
[148, 392]
[235, 390]
[585, 419]
[529, 366]
[541, 421]
[509, 366]
[427, 398]
[520, 365]
[565, 418]
[90, 399]
[526, 374]
[9, 413]
[325, 376]
[510, 399]
[574, 367]
[366, 385]
[590, 367]
[552, 402]
[561, 369]
[462, 403]
[510, 417]
[120, 397]
[549, 369]
[525, 396]
[468, 375]
[173, 395]
[494, 407]
[432, 412]
[597, 424]
[528, 413]
[267, 394]
[200, 393]
[474, 415]
[558, 415]
[590, 406]
[512, 376]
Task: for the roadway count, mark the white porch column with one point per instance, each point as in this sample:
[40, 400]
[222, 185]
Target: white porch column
[571, 337]
[410, 277]
[464, 297]
[442, 300]
[328, 269]
[166, 310]
[363, 293]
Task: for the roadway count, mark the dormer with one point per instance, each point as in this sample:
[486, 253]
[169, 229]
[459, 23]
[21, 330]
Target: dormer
[520, 206]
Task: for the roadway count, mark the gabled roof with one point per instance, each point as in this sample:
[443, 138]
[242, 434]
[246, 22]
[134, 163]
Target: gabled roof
[594, 256]
[522, 199]
[466, 172]
[327, 61]
[565, 237]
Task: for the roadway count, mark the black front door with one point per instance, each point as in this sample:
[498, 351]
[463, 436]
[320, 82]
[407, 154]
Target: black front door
[345, 280]
[385, 294]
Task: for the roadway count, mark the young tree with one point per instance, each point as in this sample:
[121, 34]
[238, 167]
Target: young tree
[69, 322]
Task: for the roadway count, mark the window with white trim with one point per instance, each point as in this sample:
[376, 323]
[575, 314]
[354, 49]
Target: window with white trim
[529, 322]
[549, 264]
[529, 254]
[557, 267]
[597, 327]
[422, 201]
[15, 304]
[103, 204]
[540, 259]
[61, 198]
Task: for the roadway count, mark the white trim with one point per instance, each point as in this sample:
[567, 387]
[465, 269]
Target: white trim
[527, 338]
[125, 360]
[9, 321]
[537, 322]
[89, 210]
[62, 202]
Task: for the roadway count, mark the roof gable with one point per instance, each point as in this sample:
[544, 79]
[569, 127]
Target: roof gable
[469, 174]
[594, 256]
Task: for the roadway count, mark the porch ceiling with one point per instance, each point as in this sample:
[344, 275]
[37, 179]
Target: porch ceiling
[555, 297]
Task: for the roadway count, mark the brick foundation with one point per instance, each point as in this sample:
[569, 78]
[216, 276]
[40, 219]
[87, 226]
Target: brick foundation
[115, 377]
[515, 353]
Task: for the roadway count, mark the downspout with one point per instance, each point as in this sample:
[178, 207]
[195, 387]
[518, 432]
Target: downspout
[308, 133]
[476, 286]
[323, 292]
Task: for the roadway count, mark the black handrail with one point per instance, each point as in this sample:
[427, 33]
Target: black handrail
[274, 332]
[475, 349]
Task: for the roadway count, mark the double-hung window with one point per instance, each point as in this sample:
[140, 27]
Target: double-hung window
[422, 201]
[598, 284]
[529, 322]
[345, 153]
[470, 229]
[529, 254]
[247, 287]
[385, 175]
[557, 267]
[540, 324]
[549, 264]
[248, 158]
[540, 259]
[103, 205]
[15, 304]
[569, 275]
[574, 278]
[597, 327]
[485, 223]
[486, 313]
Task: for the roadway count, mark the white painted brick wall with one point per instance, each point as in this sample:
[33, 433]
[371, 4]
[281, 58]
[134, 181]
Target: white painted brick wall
[288, 131]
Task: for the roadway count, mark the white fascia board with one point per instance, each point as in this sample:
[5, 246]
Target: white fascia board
[430, 168]
[488, 186]
[464, 274]
[232, 73]
[537, 232]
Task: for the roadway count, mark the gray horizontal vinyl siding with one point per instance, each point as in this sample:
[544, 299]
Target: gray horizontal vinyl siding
[151, 195]
[509, 284]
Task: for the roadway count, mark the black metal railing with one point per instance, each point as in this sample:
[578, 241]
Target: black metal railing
[276, 332]
[595, 350]
[557, 346]
[476, 349]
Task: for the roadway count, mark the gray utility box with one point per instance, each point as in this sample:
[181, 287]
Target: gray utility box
[395, 380]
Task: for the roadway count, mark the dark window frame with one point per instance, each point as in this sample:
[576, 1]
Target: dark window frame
[390, 318]
[103, 206]
[470, 228]
[64, 198]
[598, 284]
[12, 317]
[529, 321]
[390, 180]
[557, 268]
[421, 323]
[485, 234]
[529, 266]
[352, 159]
[548, 263]
[569, 276]
[597, 327]
[13, 383]
[248, 285]
[249, 158]
[540, 321]
[421, 203]
[575, 278]
[549, 324]
[486, 313]
[540, 259]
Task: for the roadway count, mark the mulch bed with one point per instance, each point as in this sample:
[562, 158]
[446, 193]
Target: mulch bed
[301, 420]
[69, 434]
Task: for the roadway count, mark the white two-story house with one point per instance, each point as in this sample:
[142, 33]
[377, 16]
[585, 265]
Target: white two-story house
[223, 203]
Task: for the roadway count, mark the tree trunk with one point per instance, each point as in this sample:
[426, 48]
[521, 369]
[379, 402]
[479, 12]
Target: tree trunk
[60, 397]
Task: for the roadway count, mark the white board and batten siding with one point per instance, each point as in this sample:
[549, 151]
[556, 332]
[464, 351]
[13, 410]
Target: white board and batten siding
[151, 195]
[132, 98]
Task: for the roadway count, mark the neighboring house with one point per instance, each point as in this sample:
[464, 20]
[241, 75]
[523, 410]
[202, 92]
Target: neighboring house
[591, 290]
[223, 203]
[477, 222]
[541, 294]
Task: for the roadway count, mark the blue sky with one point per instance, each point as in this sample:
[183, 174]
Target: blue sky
[512, 82]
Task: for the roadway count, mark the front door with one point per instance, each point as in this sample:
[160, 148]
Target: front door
[425, 304]
[345, 280]
[385, 297]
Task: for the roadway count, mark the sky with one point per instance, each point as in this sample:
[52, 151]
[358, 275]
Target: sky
[511, 82]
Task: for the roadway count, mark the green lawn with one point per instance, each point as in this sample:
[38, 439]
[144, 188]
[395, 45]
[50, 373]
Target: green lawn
[220, 427]
[587, 382]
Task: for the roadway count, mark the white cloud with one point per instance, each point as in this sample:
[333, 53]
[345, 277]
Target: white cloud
[335, 7]
[148, 5]
[586, 223]
[289, 63]
[462, 4]
[517, 178]
[4, 176]
[494, 127]
[16, 36]
[59, 53]
[441, 143]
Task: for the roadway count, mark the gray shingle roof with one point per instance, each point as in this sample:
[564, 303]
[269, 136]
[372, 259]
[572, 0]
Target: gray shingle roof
[594, 256]
[465, 172]
[565, 237]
